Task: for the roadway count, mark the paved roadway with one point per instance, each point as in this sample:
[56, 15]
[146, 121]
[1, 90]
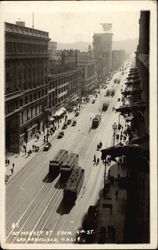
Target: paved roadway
[35, 205]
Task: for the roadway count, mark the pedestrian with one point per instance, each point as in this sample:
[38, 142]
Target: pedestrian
[98, 161]
[94, 158]
[8, 161]
[13, 165]
[11, 170]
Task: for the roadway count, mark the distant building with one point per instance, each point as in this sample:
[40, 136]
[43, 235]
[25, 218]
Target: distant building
[102, 47]
[69, 58]
[26, 83]
[52, 49]
[88, 65]
[118, 57]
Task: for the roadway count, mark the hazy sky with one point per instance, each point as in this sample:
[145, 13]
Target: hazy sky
[75, 21]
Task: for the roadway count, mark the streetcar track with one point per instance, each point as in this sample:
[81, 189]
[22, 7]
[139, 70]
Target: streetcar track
[20, 203]
[43, 213]
[34, 209]
[42, 189]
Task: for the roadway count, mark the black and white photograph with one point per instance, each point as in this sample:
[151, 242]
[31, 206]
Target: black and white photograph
[78, 124]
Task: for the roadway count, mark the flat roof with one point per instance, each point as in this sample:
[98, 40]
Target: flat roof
[22, 30]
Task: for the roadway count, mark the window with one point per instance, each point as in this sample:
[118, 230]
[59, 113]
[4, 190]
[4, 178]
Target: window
[26, 99]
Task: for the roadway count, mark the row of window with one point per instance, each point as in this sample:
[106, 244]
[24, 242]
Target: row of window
[72, 83]
[31, 112]
[12, 107]
[62, 98]
[33, 96]
[62, 89]
[13, 48]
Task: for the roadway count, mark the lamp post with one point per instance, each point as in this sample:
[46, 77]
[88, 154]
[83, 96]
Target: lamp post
[114, 126]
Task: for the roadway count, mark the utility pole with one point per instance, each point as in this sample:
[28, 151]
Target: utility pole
[33, 20]
[114, 126]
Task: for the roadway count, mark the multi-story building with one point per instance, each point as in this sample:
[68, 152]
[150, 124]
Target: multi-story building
[52, 48]
[102, 47]
[88, 65]
[64, 88]
[118, 57]
[69, 59]
[26, 83]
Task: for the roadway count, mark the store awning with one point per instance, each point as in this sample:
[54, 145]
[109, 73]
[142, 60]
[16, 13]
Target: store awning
[120, 150]
[51, 119]
[59, 112]
[131, 108]
[129, 118]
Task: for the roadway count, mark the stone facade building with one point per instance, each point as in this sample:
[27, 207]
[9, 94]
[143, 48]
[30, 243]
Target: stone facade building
[89, 76]
[26, 83]
[102, 47]
[64, 88]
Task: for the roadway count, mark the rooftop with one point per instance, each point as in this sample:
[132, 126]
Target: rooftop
[22, 30]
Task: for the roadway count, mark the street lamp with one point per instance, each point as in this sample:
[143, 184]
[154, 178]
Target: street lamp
[114, 126]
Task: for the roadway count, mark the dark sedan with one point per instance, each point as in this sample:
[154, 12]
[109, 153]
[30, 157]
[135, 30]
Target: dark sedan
[47, 146]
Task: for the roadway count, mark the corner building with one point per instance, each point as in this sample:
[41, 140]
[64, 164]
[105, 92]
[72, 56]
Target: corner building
[26, 83]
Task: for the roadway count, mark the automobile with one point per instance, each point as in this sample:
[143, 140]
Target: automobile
[93, 101]
[64, 126]
[61, 134]
[118, 99]
[47, 146]
[69, 121]
[74, 123]
[77, 113]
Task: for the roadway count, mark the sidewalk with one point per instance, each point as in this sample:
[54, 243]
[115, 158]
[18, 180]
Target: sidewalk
[112, 209]
[20, 160]
[112, 203]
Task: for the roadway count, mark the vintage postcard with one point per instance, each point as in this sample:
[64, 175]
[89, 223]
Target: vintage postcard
[78, 124]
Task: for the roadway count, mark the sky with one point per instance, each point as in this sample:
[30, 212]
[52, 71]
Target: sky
[69, 22]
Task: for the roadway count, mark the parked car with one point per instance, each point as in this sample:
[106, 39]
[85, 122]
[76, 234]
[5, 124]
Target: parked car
[93, 101]
[74, 123]
[69, 121]
[61, 134]
[77, 113]
[47, 146]
[64, 126]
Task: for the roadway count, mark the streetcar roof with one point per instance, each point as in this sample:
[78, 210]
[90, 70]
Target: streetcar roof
[68, 162]
[60, 155]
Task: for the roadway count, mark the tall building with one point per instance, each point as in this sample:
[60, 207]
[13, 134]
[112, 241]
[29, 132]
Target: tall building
[26, 83]
[88, 65]
[64, 80]
[102, 47]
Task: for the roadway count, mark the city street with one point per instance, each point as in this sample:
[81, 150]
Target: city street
[34, 204]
